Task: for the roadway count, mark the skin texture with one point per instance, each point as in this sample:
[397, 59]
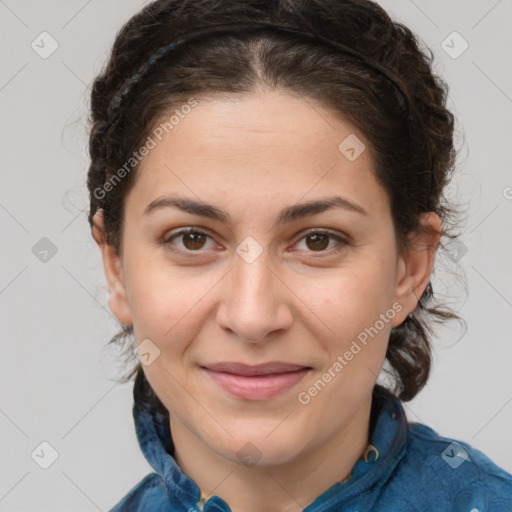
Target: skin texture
[299, 301]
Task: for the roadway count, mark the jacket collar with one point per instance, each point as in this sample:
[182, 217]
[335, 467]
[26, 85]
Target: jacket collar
[388, 434]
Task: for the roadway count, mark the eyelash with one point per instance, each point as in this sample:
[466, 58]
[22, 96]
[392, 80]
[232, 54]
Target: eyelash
[342, 242]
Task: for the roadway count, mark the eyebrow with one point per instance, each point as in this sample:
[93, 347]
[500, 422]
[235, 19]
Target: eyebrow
[288, 214]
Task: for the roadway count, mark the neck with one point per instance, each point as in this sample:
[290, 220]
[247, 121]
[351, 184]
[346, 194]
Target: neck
[285, 487]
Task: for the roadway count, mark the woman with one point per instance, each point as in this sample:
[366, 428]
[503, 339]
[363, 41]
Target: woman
[266, 189]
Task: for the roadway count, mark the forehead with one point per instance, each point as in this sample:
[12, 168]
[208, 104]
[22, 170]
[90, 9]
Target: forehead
[274, 145]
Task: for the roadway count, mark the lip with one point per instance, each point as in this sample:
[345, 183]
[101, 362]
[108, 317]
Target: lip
[258, 382]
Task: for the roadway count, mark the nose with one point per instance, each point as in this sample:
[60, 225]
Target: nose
[256, 302]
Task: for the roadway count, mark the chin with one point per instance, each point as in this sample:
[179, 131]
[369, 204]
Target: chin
[260, 449]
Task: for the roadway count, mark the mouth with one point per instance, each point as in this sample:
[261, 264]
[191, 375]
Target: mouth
[258, 382]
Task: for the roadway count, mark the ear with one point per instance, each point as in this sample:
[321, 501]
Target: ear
[112, 264]
[415, 266]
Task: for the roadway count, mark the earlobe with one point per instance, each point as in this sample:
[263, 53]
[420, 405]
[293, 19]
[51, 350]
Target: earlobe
[117, 299]
[415, 266]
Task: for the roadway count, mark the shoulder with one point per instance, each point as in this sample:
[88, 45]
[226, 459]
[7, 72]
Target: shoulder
[450, 473]
[148, 494]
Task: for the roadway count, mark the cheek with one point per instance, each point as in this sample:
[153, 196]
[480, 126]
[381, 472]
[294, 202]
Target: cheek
[351, 297]
[167, 303]
[355, 308]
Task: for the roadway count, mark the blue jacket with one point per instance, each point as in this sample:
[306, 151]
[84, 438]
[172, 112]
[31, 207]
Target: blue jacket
[416, 471]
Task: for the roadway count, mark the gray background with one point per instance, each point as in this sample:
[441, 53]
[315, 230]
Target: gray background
[56, 381]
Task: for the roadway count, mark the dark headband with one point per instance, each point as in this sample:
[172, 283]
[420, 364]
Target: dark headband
[415, 123]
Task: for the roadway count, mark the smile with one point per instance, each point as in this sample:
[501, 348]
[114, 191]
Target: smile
[256, 382]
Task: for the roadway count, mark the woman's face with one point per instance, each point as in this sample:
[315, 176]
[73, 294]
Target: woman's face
[251, 284]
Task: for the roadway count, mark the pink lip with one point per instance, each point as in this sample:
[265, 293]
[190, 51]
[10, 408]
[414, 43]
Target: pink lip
[256, 382]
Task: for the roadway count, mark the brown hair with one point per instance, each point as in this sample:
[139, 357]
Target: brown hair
[239, 63]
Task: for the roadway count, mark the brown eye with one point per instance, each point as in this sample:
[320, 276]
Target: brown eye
[188, 240]
[317, 241]
[193, 240]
